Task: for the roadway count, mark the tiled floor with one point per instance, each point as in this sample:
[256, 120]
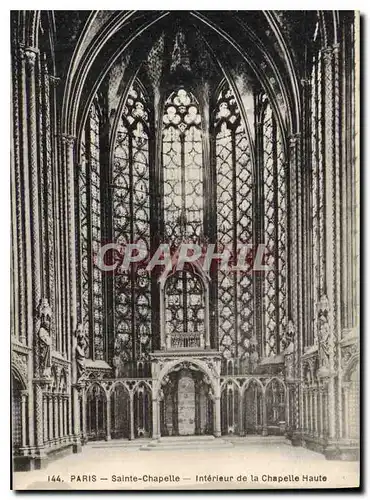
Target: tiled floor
[247, 463]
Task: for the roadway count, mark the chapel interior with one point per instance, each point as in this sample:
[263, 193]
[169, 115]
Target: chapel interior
[163, 127]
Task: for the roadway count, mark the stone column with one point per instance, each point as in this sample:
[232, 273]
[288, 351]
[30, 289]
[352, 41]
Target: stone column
[51, 417]
[84, 422]
[24, 417]
[65, 416]
[61, 430]
[321, 413]
[264, 416]
[45, 411]
[132, 429]
[217, 416]
[31, 210]
[241, 414]
[332, 225]
[197, 405]
[56, 416]
[69, 144]
[109, 414]
[39, 415]
[295, 282]
[155, 406]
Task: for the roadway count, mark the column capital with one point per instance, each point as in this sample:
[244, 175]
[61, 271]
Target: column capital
[328, 52]
[68, 139]
[305, 82]
[30, 54]
[54, 80]
[294, 138]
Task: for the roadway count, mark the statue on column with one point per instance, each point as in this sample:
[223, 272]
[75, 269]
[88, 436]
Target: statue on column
[81, 344]
[323, 334]
[288, 338]
[44, 338]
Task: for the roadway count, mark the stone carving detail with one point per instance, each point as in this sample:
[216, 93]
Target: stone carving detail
[44, 340]
[180, 54]
[81, 345]
[20, 363]
[289, 335]
[323, 335]
[347, 353]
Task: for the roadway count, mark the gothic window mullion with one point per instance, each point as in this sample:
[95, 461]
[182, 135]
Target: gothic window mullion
[132, 267]
[185, 301]
[89, 248]
[183, 206]
[235, 275]
[276, 232]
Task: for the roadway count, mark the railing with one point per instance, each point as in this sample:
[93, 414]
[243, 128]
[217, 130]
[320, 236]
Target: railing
[185, 340]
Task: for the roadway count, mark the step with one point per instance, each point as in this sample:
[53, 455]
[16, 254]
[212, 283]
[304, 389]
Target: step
[190, 438]
[164, 444]
[118, 443]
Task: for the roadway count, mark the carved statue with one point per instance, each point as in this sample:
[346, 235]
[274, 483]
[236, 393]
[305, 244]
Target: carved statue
[211, 394]
[44, 337]
[323, 336]
[81, 344]
[323, 333]
[160, 394]
[289, 335]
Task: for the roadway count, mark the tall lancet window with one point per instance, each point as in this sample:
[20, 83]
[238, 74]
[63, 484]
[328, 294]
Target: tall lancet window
[234, 227]
[274, 224]
[131, 224]
[182, 168]
[90, 224]
[184, 304]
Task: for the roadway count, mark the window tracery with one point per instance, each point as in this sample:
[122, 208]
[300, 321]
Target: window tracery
[131, 224]
[182, 168]
[234, 225]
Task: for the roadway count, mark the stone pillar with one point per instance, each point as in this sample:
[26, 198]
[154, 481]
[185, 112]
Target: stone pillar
[69, 144]
[45, 411]
[24, 417]
[217, 416]
[197, 405]
[155, 414]
[56, 416]
[321, 413]
[39, 415]
[84, 421]
[31, 211]
[51, 417]
[65, 415]
[295, 282]
[346, 412]
[61, 430]
[69, 410]
[132, 430]
[241, 414]
[264, 416]
[109, 414]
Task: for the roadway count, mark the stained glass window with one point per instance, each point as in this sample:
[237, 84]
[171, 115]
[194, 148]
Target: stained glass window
[95, 214]
[182, 168]
[184, 304]
[274, 286]
[131, 224]
[234, 225]
[84, 238]
[90, 241]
